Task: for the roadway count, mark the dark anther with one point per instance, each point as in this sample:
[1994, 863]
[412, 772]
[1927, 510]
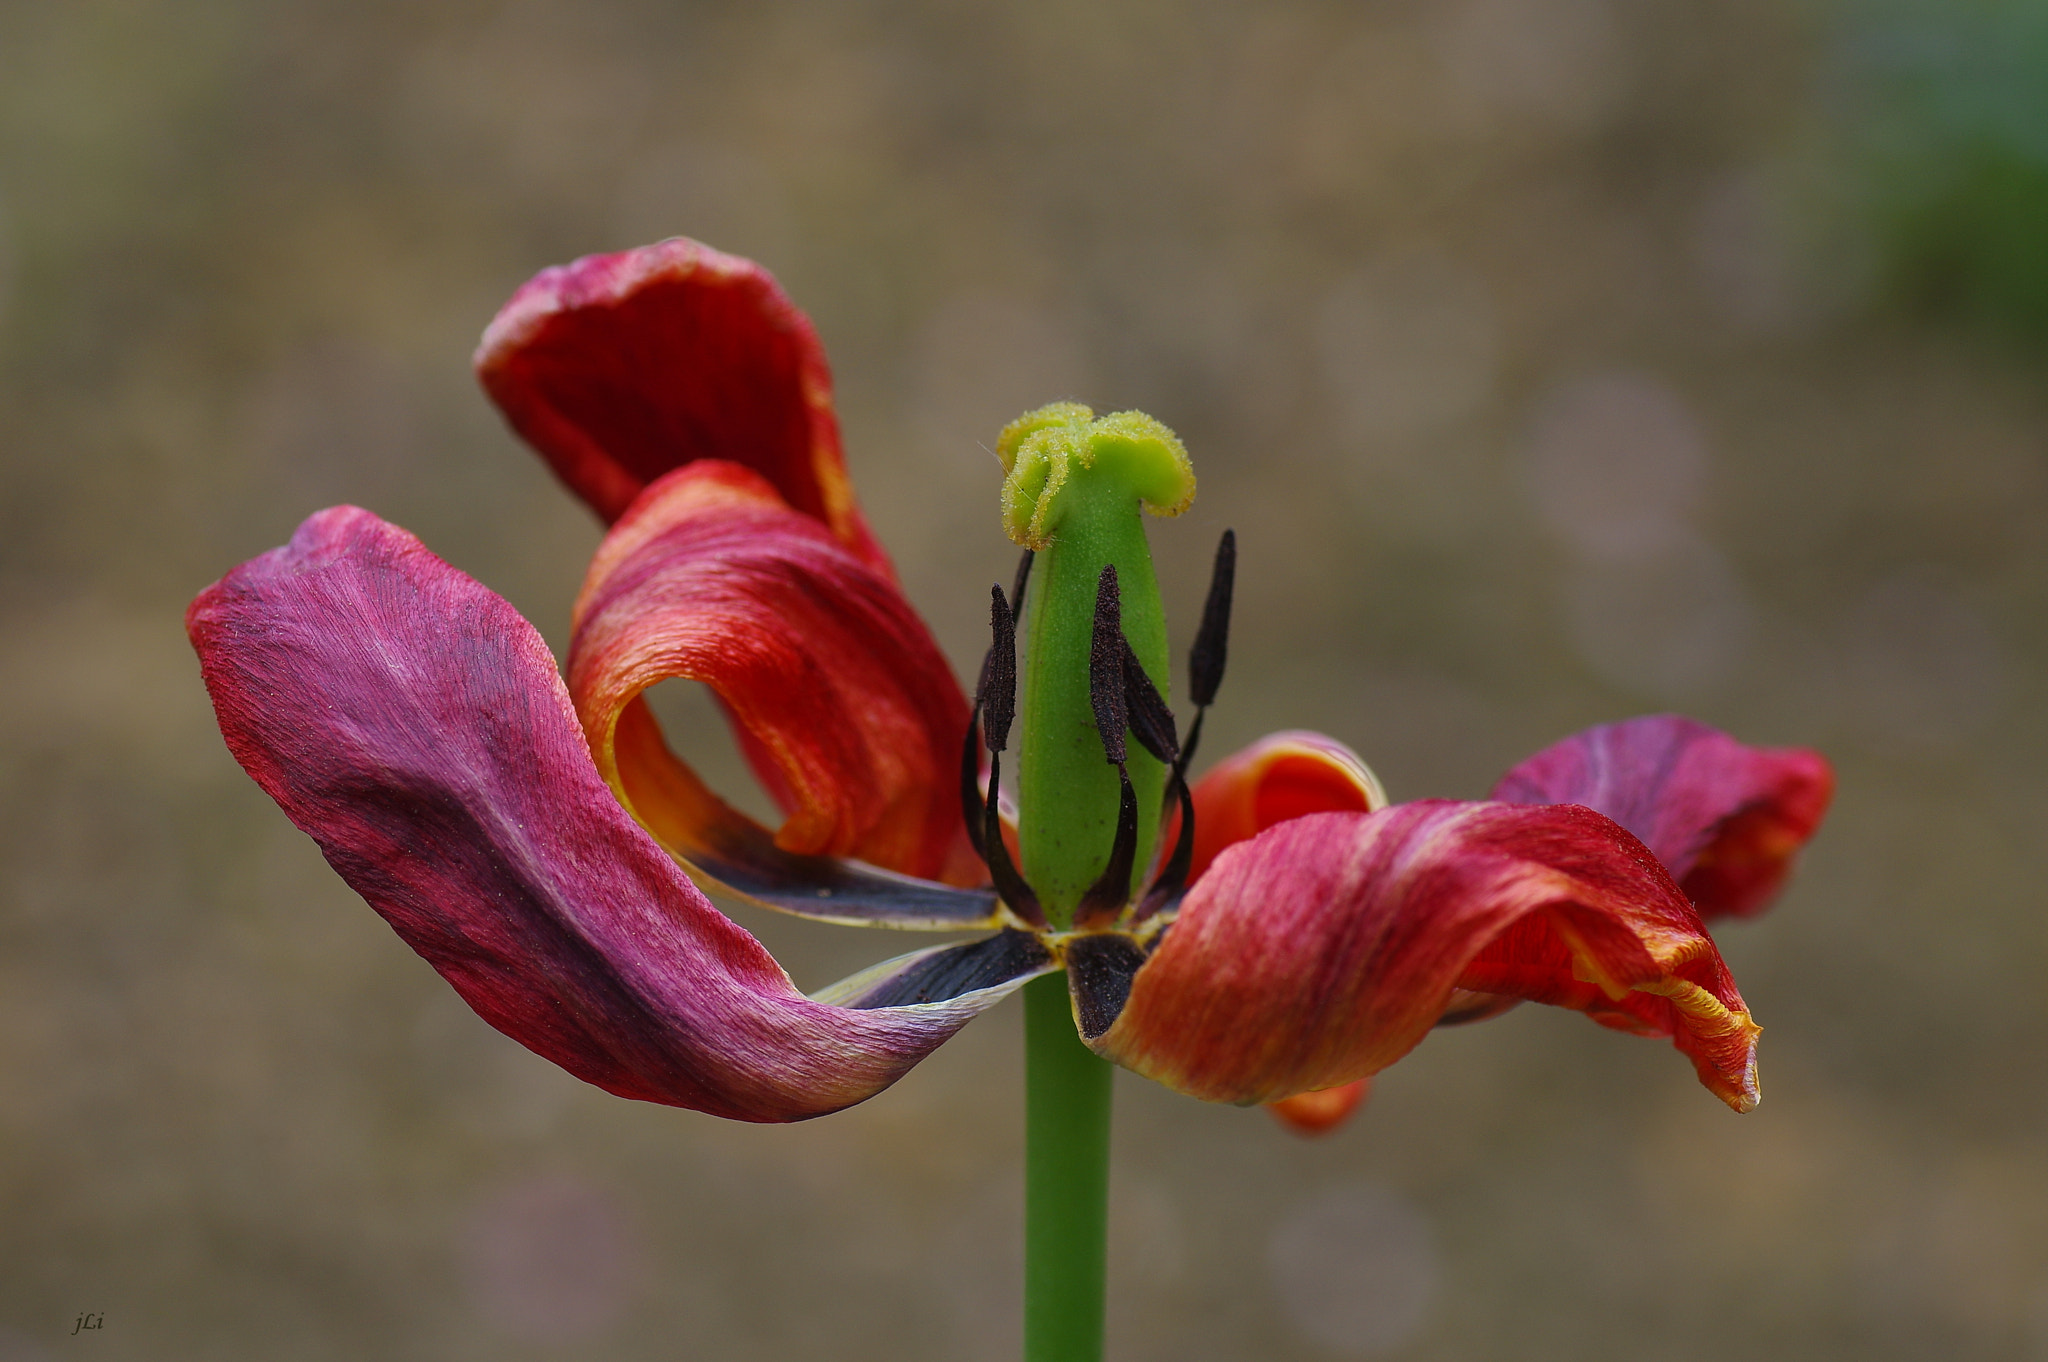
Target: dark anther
[1002, 871]
[995, 706]
[999, 697]
[1151, 721]
[1124, 698]
[1212, 643]
[1212, 640]
[1172, 880]
[1106, 667]
[998, 701]
[1112, 889]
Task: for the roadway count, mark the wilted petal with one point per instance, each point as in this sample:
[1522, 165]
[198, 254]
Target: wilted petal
[1321, 1111]
[1323, 949]
[619, 368]
[841, 697]
[1281, 776]
[414, 726]
[1725, 818]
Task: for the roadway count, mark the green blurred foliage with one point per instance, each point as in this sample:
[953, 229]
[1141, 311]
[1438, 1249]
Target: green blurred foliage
[1946, 107]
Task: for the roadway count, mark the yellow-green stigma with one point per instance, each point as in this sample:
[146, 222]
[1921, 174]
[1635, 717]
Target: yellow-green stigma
[1045, 452]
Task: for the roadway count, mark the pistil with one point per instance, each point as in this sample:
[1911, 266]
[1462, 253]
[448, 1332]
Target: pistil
[1074, 492]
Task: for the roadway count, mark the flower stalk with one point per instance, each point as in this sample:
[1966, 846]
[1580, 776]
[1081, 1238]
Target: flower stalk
[1066, 1181]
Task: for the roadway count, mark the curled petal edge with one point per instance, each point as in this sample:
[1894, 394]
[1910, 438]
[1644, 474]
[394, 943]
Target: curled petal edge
[619, 368]
[1325, 948]
[414, 725]
[1282, 776]
[836, 690]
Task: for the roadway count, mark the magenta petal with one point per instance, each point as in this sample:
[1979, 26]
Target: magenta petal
[1725, 818]
[415, 726]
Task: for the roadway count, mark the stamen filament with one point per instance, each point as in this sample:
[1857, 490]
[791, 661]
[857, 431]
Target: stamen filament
[1172, 880]
[1112, 890]
[1002, 871]
[1212, 640]
[1150, 720]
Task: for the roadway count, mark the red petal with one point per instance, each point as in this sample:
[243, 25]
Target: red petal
[1726, 819]
[414, 726]
[619, 368]
[1325, 948]
[1281, 776]
[821, 663]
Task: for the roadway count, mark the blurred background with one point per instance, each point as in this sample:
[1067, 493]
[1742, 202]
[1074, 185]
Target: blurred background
[1555, 360]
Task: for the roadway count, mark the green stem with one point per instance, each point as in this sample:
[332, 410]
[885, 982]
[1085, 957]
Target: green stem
[1066, 1181]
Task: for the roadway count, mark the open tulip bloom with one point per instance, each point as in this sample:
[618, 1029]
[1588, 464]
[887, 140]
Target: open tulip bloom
[1274, 932]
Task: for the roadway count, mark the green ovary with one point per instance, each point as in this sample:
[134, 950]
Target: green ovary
[1073, 493]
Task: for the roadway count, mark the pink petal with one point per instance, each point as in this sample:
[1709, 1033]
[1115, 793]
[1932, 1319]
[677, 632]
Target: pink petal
[825, 669]
[1726, 819]
[413, 724]
[1325, 948]
[619, 368]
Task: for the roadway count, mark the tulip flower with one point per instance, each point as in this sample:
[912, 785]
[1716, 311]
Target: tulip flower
[1274, 932]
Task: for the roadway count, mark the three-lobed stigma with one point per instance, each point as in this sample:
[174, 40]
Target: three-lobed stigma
[1046, 452]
